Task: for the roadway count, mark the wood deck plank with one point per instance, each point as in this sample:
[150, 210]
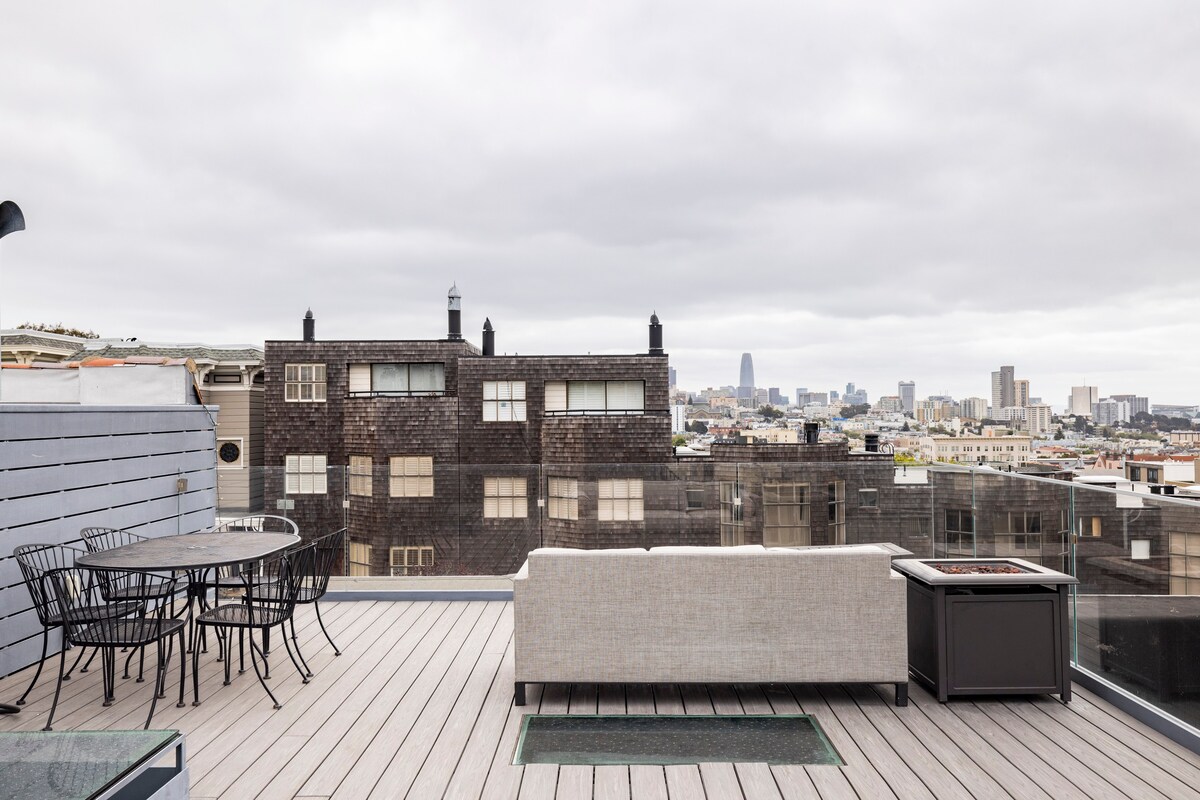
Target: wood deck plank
[647, 782]
[612, 782]
[423, 696]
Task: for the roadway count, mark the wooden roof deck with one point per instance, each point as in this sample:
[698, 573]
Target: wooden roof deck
[420, 706]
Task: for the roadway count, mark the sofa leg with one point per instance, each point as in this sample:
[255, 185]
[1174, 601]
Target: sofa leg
[519, 693]
[902, 694]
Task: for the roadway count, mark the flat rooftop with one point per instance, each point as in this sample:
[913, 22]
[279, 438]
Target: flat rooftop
[420, 705]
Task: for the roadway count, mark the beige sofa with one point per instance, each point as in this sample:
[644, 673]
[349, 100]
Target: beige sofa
[710, 615]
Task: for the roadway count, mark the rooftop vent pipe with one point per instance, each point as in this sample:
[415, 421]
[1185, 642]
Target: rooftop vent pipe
[656, 342]
[489, 338]
[812, 432]
[310, 327]
[455, 314]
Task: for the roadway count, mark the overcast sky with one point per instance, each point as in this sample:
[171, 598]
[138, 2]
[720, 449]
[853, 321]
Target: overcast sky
[866, 192]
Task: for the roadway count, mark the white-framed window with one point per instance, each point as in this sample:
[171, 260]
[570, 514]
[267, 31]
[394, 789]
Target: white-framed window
[504, 401]
[304, 383]
[563, 497]
[868, 498]
[733, 529]
[360, 559]
[619, 499]
[505, 497]
[595, 397]
[397, 379]
[361, 468]
[695, 498]
[229, 453]
[411, 560]
[786, 520]
[837, 512]
[410, 476]
[305, 474]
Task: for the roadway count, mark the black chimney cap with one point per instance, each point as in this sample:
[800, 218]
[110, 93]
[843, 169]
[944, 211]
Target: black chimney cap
[487, 324]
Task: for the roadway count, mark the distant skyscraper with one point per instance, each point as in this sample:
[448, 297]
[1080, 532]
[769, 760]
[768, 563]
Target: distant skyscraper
[746, 382]
[1021, 393]
[1137, 405]
[974, 408]
[1004, 394]
[1082, 400]
[671, 379]
[908, 396]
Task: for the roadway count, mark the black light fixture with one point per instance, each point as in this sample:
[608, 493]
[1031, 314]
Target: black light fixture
[11, 220]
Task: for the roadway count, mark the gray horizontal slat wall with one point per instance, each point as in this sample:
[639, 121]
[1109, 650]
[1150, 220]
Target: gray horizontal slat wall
[63, 468]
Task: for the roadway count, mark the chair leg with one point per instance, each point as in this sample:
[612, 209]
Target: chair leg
[296, 646]
[41, 661]
[288, 646]
[87, 665]
[182, 668]
[160, 677]
[519, 693]
[108, 661]
[196, 670]
[62, 668]
[241, 651]
[223, 641]
[254, 661]
[320, 622]
[79, 658]
[902, 694]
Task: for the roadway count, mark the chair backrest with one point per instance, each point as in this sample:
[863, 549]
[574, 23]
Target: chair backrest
[97, 540]
[326, 552]
[281, 592]
[263, 523]
[36, 562]
[86, 599]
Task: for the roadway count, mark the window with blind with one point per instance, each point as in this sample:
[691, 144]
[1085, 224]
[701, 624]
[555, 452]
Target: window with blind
[411, 561]
[505, 498]
[562, 496]
[398, 380]
[360, 475]
[504, 401]
[410, 476]
[733, 529]
[305, 474]
[304, 383]
[786, 515]
[595, 397]
[620, 500]
[360, 559]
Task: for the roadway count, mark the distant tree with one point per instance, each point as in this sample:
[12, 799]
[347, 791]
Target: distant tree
[906, 427]
[855, 410]
[678, 440]
[697, 426]
[939, 430]
[770, 412]
[1081, 424]
[1058, 434]
[906, 458]
[58, 328]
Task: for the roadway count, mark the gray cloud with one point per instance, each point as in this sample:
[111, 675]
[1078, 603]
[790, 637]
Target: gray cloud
[863, 192]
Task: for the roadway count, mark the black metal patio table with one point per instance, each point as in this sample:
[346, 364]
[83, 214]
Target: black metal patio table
[190, 552]
[194, 553]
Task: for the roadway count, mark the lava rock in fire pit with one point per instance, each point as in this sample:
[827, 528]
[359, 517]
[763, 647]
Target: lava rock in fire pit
[977, 569]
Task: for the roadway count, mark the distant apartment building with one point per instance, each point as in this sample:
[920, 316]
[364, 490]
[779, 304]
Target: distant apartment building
[892, 404]
[1175, 411]
[1156, 469]
[1003, 388]
[1039, 418]
[678, 418]
[1021, 392]
[772, 435]
[1082, 399]
[1184, 438]
[722, 402]
[1110, 412]
[806, 398]
[672, 378]
[1010, 450]
[444, 454]
[1137, 405]
[930, 411]
[907, 390]
[973, 408]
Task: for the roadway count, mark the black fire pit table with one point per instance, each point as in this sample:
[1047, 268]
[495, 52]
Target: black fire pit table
[987, 626]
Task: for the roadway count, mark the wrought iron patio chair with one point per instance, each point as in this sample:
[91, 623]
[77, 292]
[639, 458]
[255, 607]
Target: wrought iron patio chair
[144, 616]
[314, 582]
[99, 539]
[35, 561]
[254, 614]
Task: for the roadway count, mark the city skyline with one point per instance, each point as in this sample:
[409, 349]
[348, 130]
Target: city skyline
[917, 193]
